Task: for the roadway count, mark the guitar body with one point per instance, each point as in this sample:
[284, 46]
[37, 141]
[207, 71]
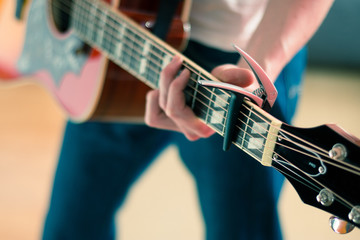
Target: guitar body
[83, 81]
[11, 44]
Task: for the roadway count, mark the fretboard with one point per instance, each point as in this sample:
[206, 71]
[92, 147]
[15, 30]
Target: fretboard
[123, 41]
[143, 55]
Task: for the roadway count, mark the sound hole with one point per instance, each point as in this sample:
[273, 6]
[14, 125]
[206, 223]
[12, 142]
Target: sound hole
[61, 12]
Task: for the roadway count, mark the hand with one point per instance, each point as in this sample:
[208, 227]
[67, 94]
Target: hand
[166, 107]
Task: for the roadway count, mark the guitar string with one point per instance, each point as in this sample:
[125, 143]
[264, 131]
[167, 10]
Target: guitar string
[339, 198]
[297, 144]
[206, 96]
[221, 106]
[211, 99]
[99, 10]
[194, 80]
[306, 147]
[225, 109]
[201, 92]
[191, 78]
[156, 54]
[350, 205]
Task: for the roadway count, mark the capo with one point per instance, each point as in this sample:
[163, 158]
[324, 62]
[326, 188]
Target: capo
[236, 101]
[264, 96]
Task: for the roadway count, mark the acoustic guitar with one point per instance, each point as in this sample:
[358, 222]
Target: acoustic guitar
[83, 50]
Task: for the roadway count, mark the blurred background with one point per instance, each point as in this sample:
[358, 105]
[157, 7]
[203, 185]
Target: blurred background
[163, 204]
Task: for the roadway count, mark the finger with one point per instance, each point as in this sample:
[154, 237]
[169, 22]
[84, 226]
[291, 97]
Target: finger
[166, 77]
[233, 74]
[183, 115]
[154, 115]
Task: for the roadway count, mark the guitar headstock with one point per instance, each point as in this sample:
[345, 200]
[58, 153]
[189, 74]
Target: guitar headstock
[323, 165]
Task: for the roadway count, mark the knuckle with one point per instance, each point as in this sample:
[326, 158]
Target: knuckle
[149, 96]
[172, 113]
[150, 120]
[162, 102]
[165, 73]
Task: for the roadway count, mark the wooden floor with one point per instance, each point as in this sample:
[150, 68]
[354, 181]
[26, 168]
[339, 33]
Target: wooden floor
[163, 204]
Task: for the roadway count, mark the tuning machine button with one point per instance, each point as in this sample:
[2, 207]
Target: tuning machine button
[338, 152]
[340, 226]
[325, 197]
[354, 214]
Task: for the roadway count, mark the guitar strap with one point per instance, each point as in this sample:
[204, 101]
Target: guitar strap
[165, 14]
[19, 7]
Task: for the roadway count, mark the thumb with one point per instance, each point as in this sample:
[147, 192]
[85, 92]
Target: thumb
[232, 74]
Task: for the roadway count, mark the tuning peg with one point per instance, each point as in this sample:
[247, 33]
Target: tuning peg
[340, 226]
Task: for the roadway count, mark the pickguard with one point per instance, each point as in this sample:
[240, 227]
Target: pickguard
[44, 49]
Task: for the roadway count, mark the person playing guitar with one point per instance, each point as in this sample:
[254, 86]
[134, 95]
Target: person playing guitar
[100, 161]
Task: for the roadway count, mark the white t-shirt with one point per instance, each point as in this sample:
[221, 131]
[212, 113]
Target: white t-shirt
[222, 23]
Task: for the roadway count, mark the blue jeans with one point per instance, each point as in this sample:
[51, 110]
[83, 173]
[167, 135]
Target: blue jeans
[99, 162]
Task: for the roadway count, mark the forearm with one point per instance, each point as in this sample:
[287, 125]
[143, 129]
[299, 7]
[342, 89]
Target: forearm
[286, 27]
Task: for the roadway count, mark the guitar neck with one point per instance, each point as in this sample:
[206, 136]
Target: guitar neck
[144, 55]
[121, 39]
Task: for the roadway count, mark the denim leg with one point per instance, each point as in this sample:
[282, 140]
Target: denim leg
[97, 165]
[238, 196]
[236, 193]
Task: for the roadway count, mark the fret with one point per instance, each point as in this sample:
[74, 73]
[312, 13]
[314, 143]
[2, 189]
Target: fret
[109, 39]
[103, 28]
[243, 126]
[193, 88]
[144, 60]
[136, 52]
[137, 57]
[157, 60]
[123, 43]
[210, 105]
[92, 21]
[127, 42]
[211, 99]
[226, 116]
[120, 31]
[79, 23]
[254, 128]
[195, 91]
[207, 110]
[142, 67]
[218, 109]
[165, 60]
[189, 90]
[152, 75]
[155, 64]
[111, 36]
